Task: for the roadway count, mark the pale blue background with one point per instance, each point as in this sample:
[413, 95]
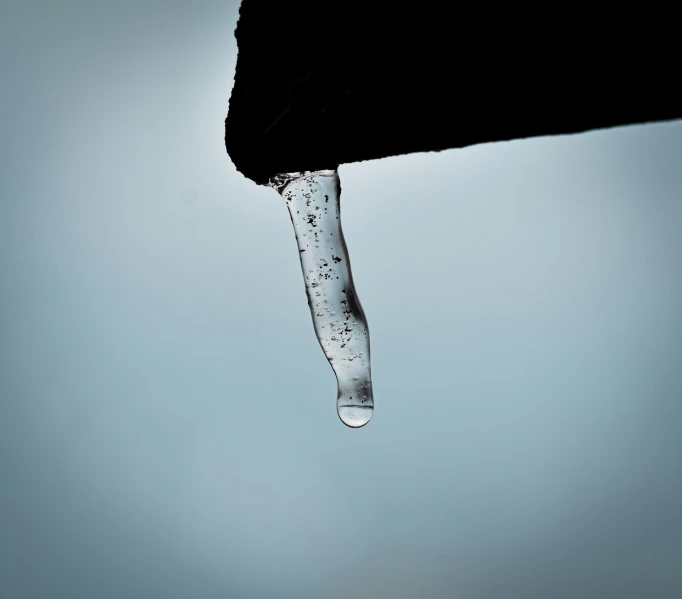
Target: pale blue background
[167, 419]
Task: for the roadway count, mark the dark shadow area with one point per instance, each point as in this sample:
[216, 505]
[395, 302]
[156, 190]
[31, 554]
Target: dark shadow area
[321, 84]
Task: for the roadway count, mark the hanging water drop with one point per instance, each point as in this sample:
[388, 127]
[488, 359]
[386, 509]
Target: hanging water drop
[338, 318]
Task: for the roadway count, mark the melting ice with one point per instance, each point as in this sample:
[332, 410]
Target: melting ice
[340, 325]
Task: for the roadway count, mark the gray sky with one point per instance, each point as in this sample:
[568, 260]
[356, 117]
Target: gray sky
[167, 420]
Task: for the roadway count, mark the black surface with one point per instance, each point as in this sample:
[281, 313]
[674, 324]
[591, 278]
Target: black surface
[321, 84]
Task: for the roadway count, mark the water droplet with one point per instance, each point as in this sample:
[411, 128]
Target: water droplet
[355, 416]
[346, 344]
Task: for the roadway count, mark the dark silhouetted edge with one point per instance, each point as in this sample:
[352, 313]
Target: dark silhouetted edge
[318, 85]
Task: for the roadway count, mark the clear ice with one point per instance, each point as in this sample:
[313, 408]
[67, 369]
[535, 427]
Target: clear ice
[313, 200]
